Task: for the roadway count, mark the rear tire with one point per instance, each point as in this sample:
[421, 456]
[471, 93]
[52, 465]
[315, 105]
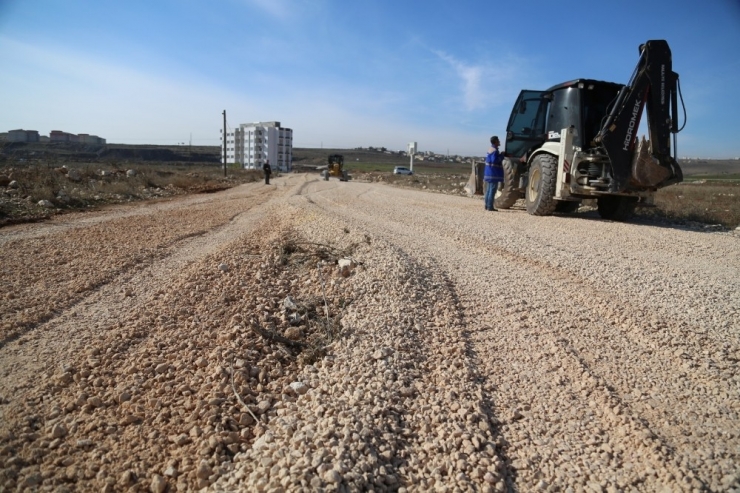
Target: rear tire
[509, 194]
[541, 185]
[566, 207]
[616, 208]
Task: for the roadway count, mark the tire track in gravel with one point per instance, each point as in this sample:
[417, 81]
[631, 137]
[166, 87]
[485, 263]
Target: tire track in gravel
[47, 268]
[454, 344]
[640, 418]
[119, 291]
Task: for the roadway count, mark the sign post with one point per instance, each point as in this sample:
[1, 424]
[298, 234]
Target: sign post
[412, 151]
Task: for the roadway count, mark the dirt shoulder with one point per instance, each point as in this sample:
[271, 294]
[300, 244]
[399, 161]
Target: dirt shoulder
[214, 342]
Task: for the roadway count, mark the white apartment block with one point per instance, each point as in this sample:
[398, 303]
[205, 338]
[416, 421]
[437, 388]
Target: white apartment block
[254, 143]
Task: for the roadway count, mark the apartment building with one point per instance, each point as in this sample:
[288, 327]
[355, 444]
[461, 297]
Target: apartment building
[21, 135]
[252, 144]
[61, 136]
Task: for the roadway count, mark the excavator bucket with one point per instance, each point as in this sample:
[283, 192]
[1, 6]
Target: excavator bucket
[646, 170]
[475, 182]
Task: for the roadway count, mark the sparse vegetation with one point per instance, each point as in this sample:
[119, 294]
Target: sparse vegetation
[82, 186]
[701, 201]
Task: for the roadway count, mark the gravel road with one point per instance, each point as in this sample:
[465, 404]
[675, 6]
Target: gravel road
[213, 342]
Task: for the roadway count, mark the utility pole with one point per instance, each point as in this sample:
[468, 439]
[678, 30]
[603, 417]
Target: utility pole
[224, 139]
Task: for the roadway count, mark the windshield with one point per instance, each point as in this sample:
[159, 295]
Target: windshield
[526, 123]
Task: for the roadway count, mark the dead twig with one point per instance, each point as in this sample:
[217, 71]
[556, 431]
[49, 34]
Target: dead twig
[238, 397]
[273, 337]
[323, 293]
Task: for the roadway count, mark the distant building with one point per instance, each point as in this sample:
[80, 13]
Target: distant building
[21, 135]
[60, 136]
[252, 144]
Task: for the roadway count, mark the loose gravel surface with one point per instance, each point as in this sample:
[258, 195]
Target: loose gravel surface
[313, 335]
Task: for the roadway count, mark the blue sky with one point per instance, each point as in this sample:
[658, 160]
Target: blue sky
[348, 73]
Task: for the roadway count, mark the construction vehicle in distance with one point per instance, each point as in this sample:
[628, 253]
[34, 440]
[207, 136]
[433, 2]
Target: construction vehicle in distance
[578, 140]
[335, 167]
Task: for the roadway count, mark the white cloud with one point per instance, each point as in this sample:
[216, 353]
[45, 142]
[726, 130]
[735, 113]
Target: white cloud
[471, 76]
[489, 84]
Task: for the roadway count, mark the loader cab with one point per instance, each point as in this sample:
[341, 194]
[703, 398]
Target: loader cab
[540, 116]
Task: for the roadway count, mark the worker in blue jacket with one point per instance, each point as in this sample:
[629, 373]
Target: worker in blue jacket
[494, 172]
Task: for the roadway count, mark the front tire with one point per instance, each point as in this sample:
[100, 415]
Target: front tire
[616, 208]
[509, 194]
[540, 193]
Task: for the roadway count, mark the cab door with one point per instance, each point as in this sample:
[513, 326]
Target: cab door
[526, 128]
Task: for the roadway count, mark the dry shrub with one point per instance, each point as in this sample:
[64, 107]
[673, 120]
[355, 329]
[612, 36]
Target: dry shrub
[321, 312]
[44, 182]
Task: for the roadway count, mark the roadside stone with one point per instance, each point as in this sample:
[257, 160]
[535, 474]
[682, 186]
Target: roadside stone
[158, 485]
[33, 479]
[345, 267]
[289, 304]
[95, 401]
[332, 476]
[45, 204]
[127, 478]
[58, 431]
[263, 407]
[180, 440]
[299, 388]
[204, 471]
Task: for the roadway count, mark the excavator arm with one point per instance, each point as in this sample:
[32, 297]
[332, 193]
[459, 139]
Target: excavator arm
[654, 85]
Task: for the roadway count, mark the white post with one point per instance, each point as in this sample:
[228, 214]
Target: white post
[412, 151]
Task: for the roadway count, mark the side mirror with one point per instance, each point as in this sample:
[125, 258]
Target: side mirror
[509, 135]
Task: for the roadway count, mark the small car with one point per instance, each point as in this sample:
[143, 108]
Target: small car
[402, 170]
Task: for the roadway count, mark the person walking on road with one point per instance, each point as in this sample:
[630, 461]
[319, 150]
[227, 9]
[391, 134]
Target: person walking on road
[494, 172]
[268, 171]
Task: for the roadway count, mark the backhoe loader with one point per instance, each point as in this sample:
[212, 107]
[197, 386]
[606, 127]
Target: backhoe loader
[578, 140]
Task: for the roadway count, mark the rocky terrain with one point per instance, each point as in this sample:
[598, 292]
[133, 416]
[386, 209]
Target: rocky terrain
[313, 335]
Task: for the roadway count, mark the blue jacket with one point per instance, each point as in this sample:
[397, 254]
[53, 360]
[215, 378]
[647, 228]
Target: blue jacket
[494, 170]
